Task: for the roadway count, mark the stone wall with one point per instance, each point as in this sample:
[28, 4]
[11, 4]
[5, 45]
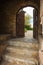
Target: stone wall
[41, 38]
[41, 15]
[8, 11]
[8, 18]
[41, 8]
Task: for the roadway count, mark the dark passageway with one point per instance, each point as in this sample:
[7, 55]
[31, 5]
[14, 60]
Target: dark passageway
[14, 50]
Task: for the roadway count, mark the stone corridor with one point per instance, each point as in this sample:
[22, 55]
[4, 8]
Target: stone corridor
[21, 51]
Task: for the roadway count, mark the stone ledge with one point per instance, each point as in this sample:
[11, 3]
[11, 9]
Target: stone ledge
[4, 37]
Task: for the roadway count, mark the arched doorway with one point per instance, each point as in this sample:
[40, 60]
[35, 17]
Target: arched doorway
[20, 23]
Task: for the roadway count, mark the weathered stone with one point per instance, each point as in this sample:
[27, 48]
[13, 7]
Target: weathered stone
[21, 53]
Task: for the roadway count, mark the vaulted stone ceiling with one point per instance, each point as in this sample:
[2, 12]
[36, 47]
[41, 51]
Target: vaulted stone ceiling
[18, 1]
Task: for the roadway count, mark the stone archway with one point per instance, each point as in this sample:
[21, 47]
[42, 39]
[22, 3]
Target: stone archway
[9, 11]
[32, 4]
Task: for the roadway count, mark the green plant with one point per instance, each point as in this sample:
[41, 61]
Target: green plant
[25, 29]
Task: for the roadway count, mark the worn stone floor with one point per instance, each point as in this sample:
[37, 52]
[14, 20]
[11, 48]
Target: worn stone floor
[21, 51]
[29, 34]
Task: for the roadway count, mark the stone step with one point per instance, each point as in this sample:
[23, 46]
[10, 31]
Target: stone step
[17, 49]
[22, 55]
[18, 61]
[25, 39]
[22, 52]
[21, 41]
[23, 44]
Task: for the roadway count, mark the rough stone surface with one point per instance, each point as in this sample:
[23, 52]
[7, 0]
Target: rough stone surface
[41, 16]
[21, 52]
